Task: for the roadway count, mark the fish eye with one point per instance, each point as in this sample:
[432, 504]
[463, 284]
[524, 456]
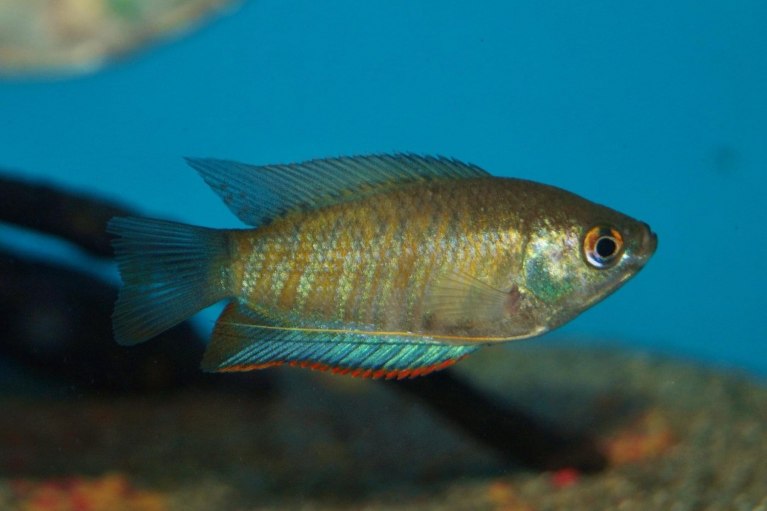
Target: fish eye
[602, 245]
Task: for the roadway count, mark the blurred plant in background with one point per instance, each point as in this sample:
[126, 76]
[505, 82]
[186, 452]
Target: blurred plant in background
[64, 37]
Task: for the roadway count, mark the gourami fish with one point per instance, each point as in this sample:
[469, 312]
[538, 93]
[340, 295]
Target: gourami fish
[377, 266]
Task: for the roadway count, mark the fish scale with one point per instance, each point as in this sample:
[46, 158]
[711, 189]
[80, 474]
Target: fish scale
[368, 253]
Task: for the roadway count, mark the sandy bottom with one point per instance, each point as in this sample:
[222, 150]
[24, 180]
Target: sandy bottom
[678, 437]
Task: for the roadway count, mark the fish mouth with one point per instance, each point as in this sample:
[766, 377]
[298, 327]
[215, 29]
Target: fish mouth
[649, 241]
[648, 244]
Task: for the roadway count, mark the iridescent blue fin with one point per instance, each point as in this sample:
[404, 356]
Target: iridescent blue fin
[258, 194]
[239, 343]
[169, 271]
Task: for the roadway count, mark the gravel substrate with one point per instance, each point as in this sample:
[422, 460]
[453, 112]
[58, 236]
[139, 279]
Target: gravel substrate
[679, 438]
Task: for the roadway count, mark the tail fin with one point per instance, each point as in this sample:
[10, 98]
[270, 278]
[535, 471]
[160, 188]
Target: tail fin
[169, 270]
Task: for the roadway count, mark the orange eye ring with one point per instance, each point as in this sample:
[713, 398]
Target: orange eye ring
[602, 246]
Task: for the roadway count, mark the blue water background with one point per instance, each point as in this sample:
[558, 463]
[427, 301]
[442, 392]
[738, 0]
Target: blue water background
[656, 108]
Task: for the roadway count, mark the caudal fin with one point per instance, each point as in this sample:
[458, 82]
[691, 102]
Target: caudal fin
[169, 271]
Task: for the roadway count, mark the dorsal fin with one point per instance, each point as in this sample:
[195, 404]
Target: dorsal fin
[258, 194]
[242, 342]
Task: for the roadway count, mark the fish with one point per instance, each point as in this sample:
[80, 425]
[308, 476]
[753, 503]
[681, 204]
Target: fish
[381, 266]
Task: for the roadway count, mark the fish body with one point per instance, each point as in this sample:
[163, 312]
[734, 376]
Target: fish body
[383, 266]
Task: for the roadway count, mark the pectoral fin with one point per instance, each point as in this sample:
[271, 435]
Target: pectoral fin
[456, 298]
[244, 341]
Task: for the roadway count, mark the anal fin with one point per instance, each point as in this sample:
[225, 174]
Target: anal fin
[244, 341]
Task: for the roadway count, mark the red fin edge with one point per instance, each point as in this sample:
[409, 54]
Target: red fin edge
[397, 374]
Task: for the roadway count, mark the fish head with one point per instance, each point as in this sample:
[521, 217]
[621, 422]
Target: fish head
[577, 253]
